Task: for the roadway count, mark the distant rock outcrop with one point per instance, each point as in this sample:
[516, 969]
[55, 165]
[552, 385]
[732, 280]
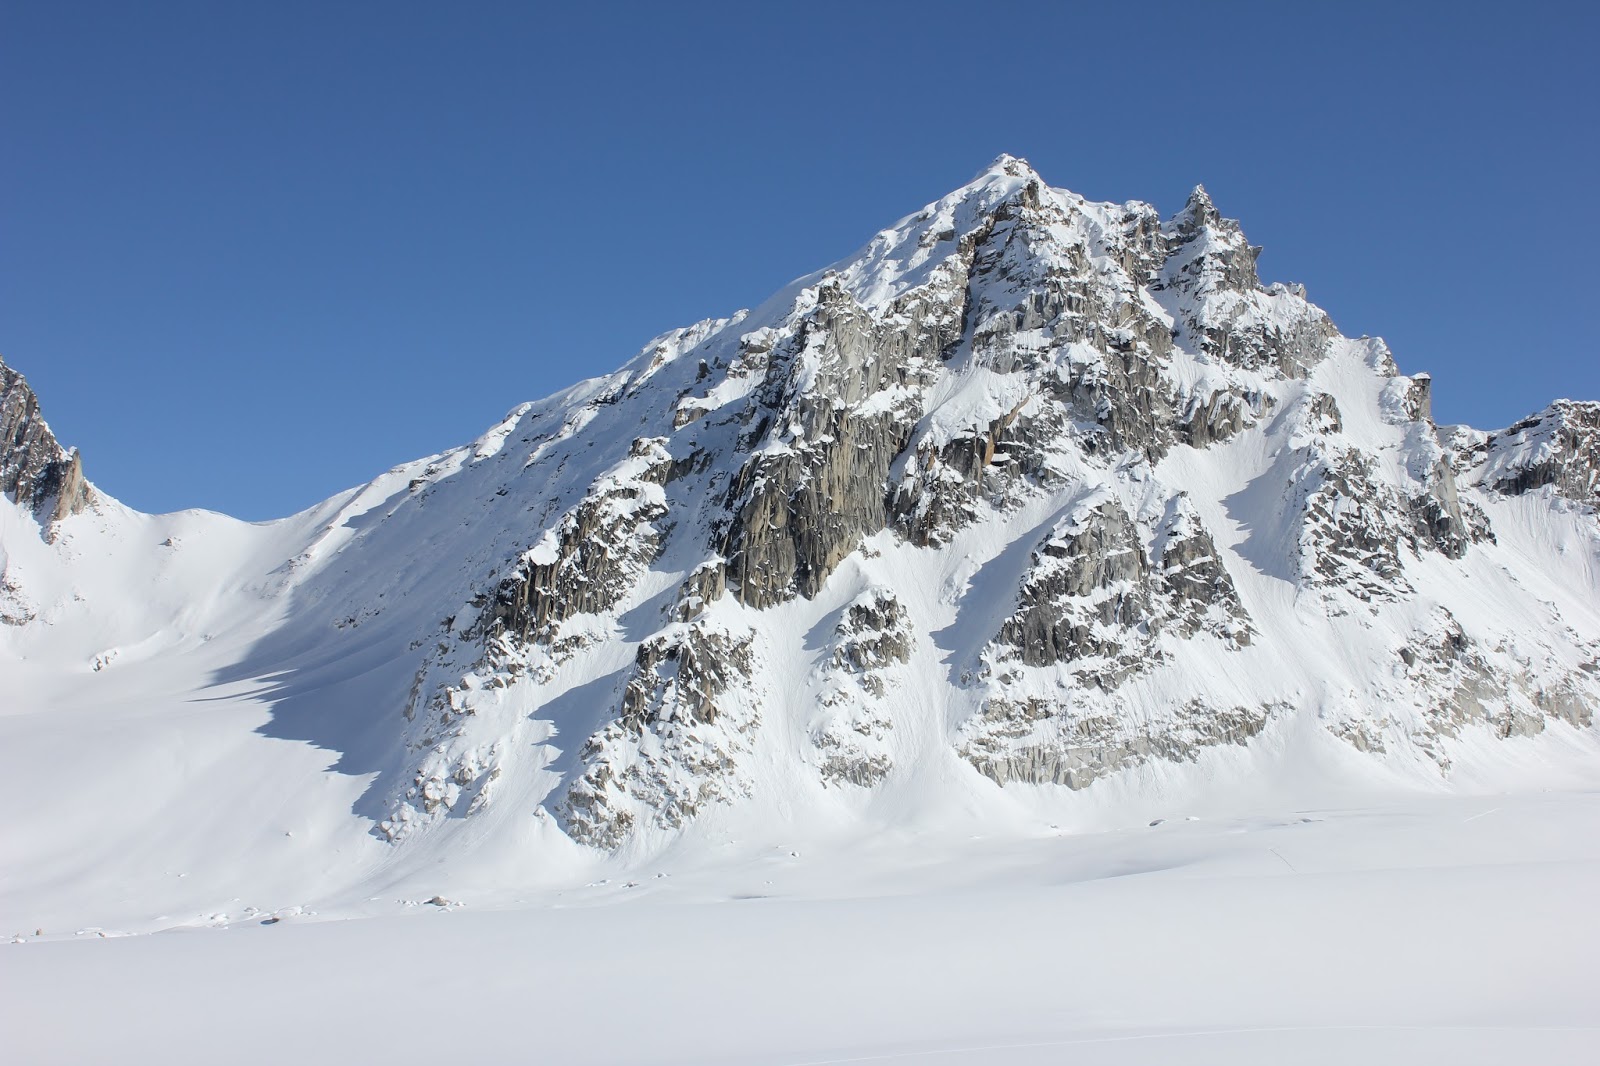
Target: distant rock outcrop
[35, 471]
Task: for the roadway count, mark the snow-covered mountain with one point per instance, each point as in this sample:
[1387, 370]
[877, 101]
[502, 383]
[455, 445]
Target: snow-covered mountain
[1032, 504]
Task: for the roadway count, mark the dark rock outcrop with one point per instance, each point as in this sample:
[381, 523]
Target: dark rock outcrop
[1086, 588]
[1558, 447]
[590, 560]
[1096, 598]
[673, 748]
[35, 471]
[817, 484]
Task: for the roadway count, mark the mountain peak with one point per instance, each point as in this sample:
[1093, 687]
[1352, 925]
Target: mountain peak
[1011, 166]
[1199, 212]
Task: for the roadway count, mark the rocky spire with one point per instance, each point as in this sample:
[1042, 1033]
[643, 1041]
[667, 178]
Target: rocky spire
[1211, 250]
[1198, 213]
[35, 471]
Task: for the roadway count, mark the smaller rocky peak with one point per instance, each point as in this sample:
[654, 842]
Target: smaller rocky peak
[1558, 447]
[1006, 186]
[35, 470]
[1207, 252]
[1200, 216]
[1010, 166]
[1199, 211]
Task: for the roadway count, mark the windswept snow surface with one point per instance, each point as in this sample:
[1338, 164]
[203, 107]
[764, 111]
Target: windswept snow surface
[1446, 929]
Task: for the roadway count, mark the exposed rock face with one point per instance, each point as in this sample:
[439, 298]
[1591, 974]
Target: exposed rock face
[1097, 597]
[1193, 579]
[16, 607]
[1087, 587]
[592, 557]
[1036, 742]
[1227, 314]
[1218, 416]
[871, 640]
[1440, 519]
[35, 471]
[874, 633]
[1558, 447]
[1447, 682]
[673, 749]
[1048, 488]
[839, 406]
[1353, 531]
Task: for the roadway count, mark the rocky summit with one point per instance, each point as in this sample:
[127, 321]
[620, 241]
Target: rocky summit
[1030, 498]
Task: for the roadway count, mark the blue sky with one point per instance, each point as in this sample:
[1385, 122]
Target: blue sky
[254, 254]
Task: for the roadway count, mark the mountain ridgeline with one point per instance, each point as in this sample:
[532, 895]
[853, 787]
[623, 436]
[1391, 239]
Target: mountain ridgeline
[1029, 492]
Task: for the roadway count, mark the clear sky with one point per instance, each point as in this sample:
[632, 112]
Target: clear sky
[251, 254]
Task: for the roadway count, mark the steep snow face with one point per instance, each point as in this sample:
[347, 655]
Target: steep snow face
[1028, 491]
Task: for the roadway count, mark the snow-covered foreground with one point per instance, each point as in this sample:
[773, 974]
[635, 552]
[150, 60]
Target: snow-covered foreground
[1454, 929]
